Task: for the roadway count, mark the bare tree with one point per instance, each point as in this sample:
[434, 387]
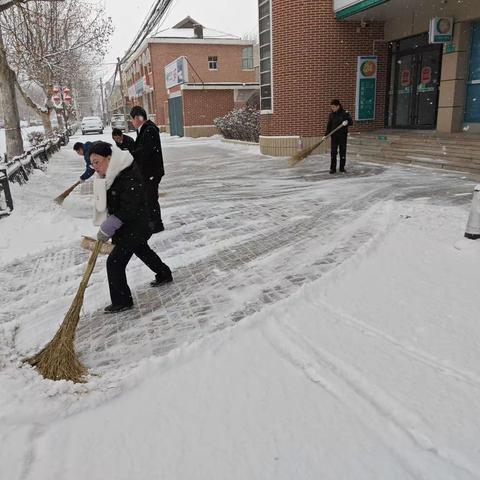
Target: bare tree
[8, 98]
[54, 44]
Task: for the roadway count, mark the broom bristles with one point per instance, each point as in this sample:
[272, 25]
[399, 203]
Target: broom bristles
[299, 156]
[58, 359]
[88, 243]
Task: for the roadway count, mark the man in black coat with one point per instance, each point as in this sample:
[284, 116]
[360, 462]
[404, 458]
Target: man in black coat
[123, 142]
[339, 138]
[126, 223]
[148, 156]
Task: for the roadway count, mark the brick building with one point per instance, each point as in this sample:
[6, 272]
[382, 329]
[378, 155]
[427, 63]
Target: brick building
[310, 51]
[216, 71]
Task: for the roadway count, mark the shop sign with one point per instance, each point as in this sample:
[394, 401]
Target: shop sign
[140, 87]
[131, 92]
[366, 88]
[450, 48]
[176, 72]
[347, 8]
[405, 78]
[426, 75]
[441, 30]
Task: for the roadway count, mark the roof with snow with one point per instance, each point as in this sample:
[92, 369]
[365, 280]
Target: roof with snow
[185, 29]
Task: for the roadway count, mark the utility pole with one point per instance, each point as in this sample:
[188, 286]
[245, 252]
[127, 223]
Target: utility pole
[123, 94]
[103, 102]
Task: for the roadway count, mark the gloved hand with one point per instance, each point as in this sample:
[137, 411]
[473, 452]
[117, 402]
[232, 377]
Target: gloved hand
[345, 123]
[108, 228]
[102, 236]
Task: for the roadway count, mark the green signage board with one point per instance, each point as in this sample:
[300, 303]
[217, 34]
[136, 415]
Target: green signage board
[366, 88]
[347, 8]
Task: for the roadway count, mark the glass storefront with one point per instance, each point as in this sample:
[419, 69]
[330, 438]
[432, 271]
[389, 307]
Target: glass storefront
[414, 83]
[472, 104]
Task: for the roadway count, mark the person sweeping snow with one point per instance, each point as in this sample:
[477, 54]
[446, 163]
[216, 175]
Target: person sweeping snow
[121, 211]
[83, 149]
[337, 117]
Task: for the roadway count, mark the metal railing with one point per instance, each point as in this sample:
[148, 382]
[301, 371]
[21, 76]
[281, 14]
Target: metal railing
[19, 169]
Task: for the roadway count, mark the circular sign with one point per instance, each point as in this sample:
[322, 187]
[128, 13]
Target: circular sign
[368, 68]
[444, 26]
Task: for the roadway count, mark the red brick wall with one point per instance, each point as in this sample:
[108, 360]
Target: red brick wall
[229, 67]
[201, 107]
[314, 61]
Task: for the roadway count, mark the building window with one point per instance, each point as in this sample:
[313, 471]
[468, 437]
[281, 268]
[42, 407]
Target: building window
[264, 14]
[213, 63]
[247, 58]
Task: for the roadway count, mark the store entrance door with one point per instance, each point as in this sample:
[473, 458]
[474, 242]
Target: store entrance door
[416, 75]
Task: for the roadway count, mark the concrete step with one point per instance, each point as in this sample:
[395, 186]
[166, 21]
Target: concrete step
[447, 164]
[458, 157]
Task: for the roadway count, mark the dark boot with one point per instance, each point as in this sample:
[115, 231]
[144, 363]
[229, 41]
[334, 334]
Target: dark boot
[118, 308]
[161, 279]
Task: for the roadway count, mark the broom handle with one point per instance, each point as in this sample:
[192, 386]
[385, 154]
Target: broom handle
[68, 191]
[90, 266]
[328, 135]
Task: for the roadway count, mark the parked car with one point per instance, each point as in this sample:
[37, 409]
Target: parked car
[118, 121]
[91, 124]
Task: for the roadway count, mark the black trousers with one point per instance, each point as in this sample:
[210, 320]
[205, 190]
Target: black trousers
[154, 212]
[117, 262]
[338, 144]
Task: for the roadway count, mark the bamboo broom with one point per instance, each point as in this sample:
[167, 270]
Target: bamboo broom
[60, 199]
[299, 156]
[58, 360]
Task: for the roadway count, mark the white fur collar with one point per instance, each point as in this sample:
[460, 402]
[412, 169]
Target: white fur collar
[120, 161]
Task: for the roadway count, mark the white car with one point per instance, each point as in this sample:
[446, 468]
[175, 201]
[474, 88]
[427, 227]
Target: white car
[91, 124]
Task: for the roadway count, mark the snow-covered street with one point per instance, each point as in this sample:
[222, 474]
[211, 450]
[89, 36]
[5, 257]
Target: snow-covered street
[319, 326]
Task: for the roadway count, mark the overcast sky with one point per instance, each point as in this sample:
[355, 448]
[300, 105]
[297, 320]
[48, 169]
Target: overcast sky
[238, 17]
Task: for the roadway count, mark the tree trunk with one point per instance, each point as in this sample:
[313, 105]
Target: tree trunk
[8, 98]
[47, 124]
[60, 121]
[43, 112]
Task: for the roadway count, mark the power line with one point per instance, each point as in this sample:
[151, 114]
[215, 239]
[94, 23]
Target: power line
[154, 16]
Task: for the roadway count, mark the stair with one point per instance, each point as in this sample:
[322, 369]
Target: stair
[459, 151]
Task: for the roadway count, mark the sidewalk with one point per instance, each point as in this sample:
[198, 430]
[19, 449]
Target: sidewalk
[249, 240]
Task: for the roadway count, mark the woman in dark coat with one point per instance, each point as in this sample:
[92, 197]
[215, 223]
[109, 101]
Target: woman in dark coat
[126, 222]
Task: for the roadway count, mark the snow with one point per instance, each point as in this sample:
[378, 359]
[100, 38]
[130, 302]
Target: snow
[318, 327]
[25, 132]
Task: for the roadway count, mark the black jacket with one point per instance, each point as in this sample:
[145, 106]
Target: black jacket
[334, 120]
[148, 152]
[126, 200]
[127, 144]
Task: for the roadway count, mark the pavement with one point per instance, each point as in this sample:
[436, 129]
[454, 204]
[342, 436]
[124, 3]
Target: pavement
[243, 231]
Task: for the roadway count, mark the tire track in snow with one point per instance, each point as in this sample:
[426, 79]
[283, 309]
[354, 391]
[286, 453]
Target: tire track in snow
[362, 397]
[422, 357]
